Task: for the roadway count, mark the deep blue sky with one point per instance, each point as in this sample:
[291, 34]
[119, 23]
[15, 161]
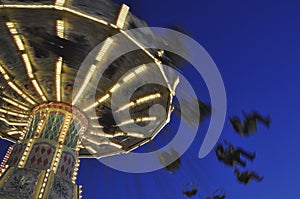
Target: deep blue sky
[256, 46]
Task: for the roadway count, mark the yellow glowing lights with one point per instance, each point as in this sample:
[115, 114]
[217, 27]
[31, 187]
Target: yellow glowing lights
[15, 103]
[139, 101]
[60, 26]
[44, 184]
[102, 99]
[104, 49]
[13, 124]
[122, 16]
[58, 78]
[12, 113]
[25, 154]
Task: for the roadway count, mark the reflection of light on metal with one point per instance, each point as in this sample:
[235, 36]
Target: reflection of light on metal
[102, 99]
[122, 16]
[58, 69]
[139, 101]
[12, 113]
[15, 103]
[13, 123]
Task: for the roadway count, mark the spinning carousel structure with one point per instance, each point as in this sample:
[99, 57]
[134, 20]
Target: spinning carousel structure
[42, 46]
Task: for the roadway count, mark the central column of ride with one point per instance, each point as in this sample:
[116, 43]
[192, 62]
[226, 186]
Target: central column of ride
[44, 163]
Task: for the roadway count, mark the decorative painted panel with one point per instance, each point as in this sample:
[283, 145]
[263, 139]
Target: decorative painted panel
[20, 184]
[40, 156]
[66, 166]
[16, 154]
[72, 135]
[61, 189]
[53, 126]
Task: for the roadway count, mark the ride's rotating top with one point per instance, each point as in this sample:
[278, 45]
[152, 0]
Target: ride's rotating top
[61, 80]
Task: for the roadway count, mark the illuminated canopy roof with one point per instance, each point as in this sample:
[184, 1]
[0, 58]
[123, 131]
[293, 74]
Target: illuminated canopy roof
[42, 46]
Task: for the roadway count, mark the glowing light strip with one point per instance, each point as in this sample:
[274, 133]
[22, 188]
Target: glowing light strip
[89, 75]
[102, 99]
[57, 158]
[58, 69]
[15, 35]
[115, 87]
[27, 65]
[21, 93]
[14, 132]
[131, 134]
[57, 7]
[128, 77]
[131, 104]
[148, 98]
[107, 43]
[122, 16]
[85, 83]
[103, 142]
[44, 184]
[140, 119]
[31, 76]
[13, 30]
[14, 103]
[12, 113]
[14, 87]
[25, 154]
[75, 171]
[60, 27]
[13, 124]
[139, 101]
[19, 42]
